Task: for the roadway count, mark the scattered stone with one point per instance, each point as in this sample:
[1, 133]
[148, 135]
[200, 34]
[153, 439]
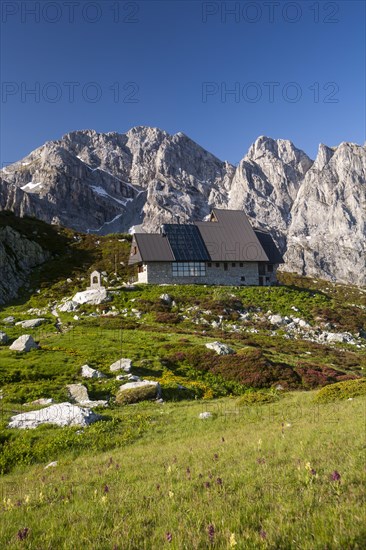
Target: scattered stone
[69, 306]
[93, 297]
[24, 343]
[69, 280]
[166, 298]
[276, 320]
[79, 395]
[141, 384]
[122, 364]
[9, 320]
[30, 323]
[220, 348]
[42, 401]
[51, 465]
[62, 414]
[130, 377]
[88, 372]
[205, 415]
[3, 338]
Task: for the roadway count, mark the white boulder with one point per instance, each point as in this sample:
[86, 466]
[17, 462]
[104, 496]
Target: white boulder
[79, 394]
[122, 364]
[93, 297]
[24, 343]
[62, 414]
[30, 323]
[88, 372]
[205, 415]
[141, 384]
[276, 320]
[69, 306]
[220, 348]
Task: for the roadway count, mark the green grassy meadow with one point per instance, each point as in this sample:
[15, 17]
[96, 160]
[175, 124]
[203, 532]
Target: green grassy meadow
[250, 477]
[273, 468]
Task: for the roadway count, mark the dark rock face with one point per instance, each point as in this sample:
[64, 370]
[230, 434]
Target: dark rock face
[18, 256]
[104, 183]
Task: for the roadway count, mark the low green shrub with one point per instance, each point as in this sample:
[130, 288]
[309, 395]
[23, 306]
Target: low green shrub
[341, 390]
[258, 398]
[134, 395]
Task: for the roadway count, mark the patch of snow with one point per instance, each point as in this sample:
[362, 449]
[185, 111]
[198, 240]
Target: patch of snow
[102, 192]
[29, 186]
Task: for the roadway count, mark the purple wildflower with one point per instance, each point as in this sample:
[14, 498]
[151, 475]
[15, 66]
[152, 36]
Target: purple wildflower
[188, 471]
[216, 456]
[261, 460]
[106, 489]
[219, 481]
[262, 534]
[313, 472]
[335, 476]
[158, 487]
[22, 533]
[169, 537]
[211, 532]
[207, 484]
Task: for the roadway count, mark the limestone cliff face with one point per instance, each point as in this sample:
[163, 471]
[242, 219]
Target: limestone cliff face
[105, 183]
[327, 235]
[266, 184]
[18, 256]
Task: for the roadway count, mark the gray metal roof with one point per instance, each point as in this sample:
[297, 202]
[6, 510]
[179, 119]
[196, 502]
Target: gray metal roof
[274, 255]
[231, 238]
[151, 247]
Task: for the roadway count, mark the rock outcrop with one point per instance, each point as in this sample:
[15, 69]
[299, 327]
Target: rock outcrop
[18, 256]
[24, 343]
[327, 235]
[266, 184]
[122, 364]
[63, 414]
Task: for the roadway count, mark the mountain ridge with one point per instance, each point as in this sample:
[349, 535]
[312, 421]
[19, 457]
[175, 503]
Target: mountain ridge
[110, 182]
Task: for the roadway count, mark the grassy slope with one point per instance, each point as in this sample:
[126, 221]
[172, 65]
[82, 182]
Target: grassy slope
[154, 444]
[244, 472]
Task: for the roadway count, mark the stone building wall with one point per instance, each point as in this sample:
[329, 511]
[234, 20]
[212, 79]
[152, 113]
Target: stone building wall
[161, 273]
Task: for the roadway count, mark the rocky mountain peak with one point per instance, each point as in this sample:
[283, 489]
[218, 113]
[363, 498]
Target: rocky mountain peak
[109, 182]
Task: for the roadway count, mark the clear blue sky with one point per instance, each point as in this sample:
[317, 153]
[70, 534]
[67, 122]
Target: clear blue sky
[298, 69]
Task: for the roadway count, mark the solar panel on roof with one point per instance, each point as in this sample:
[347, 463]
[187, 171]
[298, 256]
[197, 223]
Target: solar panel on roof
[186, 243]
